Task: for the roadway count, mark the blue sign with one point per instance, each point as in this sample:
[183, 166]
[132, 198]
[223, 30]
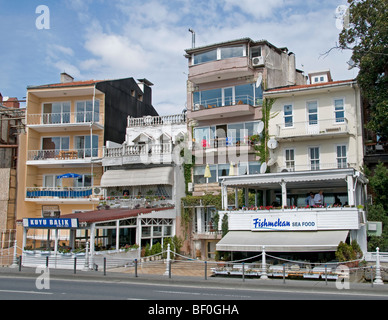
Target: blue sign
[52, 223]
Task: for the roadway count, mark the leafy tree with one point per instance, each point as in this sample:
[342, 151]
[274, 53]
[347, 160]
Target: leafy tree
[379, 184]
[367, 36]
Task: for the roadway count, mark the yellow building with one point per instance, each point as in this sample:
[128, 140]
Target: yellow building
[60, 156]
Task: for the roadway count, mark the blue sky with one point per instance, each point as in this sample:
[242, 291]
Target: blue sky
[101, 39]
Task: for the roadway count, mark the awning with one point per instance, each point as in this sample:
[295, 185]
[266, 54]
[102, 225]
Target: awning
[138, 177]
[293, 241]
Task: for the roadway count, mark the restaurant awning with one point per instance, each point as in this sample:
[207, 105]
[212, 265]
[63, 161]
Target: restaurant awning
[293, 241]
[138, 177]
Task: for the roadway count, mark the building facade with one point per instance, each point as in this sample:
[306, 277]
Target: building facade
[225, 89]
[60, 155]
[315, 145]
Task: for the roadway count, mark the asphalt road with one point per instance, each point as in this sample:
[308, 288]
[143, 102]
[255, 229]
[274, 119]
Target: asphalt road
[32, 288]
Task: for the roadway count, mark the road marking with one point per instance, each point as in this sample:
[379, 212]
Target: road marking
[29, 292]
[203, 294]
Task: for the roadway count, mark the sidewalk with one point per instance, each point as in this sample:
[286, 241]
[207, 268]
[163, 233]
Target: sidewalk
[191, 278]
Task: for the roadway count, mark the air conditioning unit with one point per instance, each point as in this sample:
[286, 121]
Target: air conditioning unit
[98, 191]
[257, 61]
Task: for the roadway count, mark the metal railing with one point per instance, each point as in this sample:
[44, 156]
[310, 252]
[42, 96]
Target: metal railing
[290, 167]
[312, 127]
[63, 118]
[57, 154]
[61, 193]
[220, 102]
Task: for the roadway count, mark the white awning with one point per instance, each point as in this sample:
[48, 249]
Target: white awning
[292, 241]
[138, 177]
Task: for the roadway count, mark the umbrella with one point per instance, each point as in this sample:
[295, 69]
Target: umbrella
[69, 175]
[207, 175]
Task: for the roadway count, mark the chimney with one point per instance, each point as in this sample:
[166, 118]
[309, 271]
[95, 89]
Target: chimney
[66, 78]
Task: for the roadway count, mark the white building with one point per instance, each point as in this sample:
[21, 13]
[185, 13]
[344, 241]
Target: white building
[315, 143]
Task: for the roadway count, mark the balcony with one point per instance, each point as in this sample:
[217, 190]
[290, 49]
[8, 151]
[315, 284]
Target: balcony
[220, 108]
[321, 129]
[55, 157]
[147, 121]
[223, 145]
[315, 166]
[138, 153]
[72, 121]
[69, 195]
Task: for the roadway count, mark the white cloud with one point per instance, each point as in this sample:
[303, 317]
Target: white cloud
[256, 8]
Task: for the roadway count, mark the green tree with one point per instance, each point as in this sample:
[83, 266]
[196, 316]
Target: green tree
[379, 184]
[367, 36]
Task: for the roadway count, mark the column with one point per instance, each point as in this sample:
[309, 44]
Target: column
[349, 180]
[284, 194]
[92, 239]
[117, 234]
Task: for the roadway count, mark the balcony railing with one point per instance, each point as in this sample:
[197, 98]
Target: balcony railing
[156, 120]
[220, 102]
[60, 193]
[39, 155]
[312, 127]
[222, 143]
[138, 149]
[340, 164]
[63, 118]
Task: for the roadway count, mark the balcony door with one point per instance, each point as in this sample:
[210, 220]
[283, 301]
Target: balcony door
[228, 96]
[84, 148]
[56, 113]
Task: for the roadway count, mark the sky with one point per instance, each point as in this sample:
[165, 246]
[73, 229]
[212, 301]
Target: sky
[113, 39]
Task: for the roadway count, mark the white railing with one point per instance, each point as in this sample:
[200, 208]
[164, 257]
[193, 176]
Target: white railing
[290, 167]
[36, 155]
[156, 120]
[313, 127]
[138, 149]
[63, 118]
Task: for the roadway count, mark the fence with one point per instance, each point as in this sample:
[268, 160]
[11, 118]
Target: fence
[169, 263]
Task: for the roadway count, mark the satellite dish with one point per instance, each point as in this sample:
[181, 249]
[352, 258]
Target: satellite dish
[260, 127]
[272, 144]
[259, 80]
[263, 168]
[271, 162]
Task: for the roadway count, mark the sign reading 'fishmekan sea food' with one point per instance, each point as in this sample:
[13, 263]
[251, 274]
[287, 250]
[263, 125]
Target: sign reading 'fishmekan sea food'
[284, 222]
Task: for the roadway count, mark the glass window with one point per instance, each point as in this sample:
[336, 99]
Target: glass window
[146, 231]
[341, 157]
[84, 181]
[232, 52]
[242, 168]
[312, 110]
[86, 112]
[244, 94]
[254, 167]
[288, 117]
[314, 158]
[236, 133]
[252, 128]
[82, 145]
[290, 159]
[339, 110]
[223, 169]
[57, 112]
[157, 231]
[205, 56]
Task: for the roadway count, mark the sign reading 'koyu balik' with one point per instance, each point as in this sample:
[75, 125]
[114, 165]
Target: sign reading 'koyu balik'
[50, 223]
[284, 222]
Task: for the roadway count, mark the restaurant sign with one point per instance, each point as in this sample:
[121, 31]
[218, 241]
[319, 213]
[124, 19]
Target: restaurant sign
[284, 222]
[52, 223]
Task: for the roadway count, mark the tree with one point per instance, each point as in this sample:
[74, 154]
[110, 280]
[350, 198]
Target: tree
[367, 36]
[379, 185]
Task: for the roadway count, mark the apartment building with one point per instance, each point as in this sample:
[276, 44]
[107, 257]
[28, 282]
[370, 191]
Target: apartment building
[225, 89]
[60, 155]
[315, 146]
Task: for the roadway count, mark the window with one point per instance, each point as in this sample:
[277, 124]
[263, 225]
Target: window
[85, 180]
[314, 158]
[57, 112]
[205, 57]
[199, 172]
[312, 111]
[51, 181]
[288, 116]
[86, 112]
[53, 145]
[82, 145]
[339, 110]
[219, 54]
[341, 157]
[232, 52]
[255, 52]
[290, 159]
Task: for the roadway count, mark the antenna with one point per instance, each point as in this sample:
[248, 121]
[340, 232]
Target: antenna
[192, 37]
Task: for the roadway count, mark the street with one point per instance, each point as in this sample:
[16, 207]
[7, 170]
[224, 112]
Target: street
[25, 288]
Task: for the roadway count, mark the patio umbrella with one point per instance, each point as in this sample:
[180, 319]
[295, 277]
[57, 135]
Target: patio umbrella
[207, 175]
[69, 175]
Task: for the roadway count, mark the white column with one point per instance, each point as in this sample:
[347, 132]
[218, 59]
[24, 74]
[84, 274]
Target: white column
[263, 266]
[350, 190]
[56, 232]
[92, 238]
[284, 194]
[236, 197]
[378, 279]
[224, 194]
[117, 234]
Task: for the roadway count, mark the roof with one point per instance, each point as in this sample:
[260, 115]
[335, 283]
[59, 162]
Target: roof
[110, 214]
[309, 86]
[66, 84]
